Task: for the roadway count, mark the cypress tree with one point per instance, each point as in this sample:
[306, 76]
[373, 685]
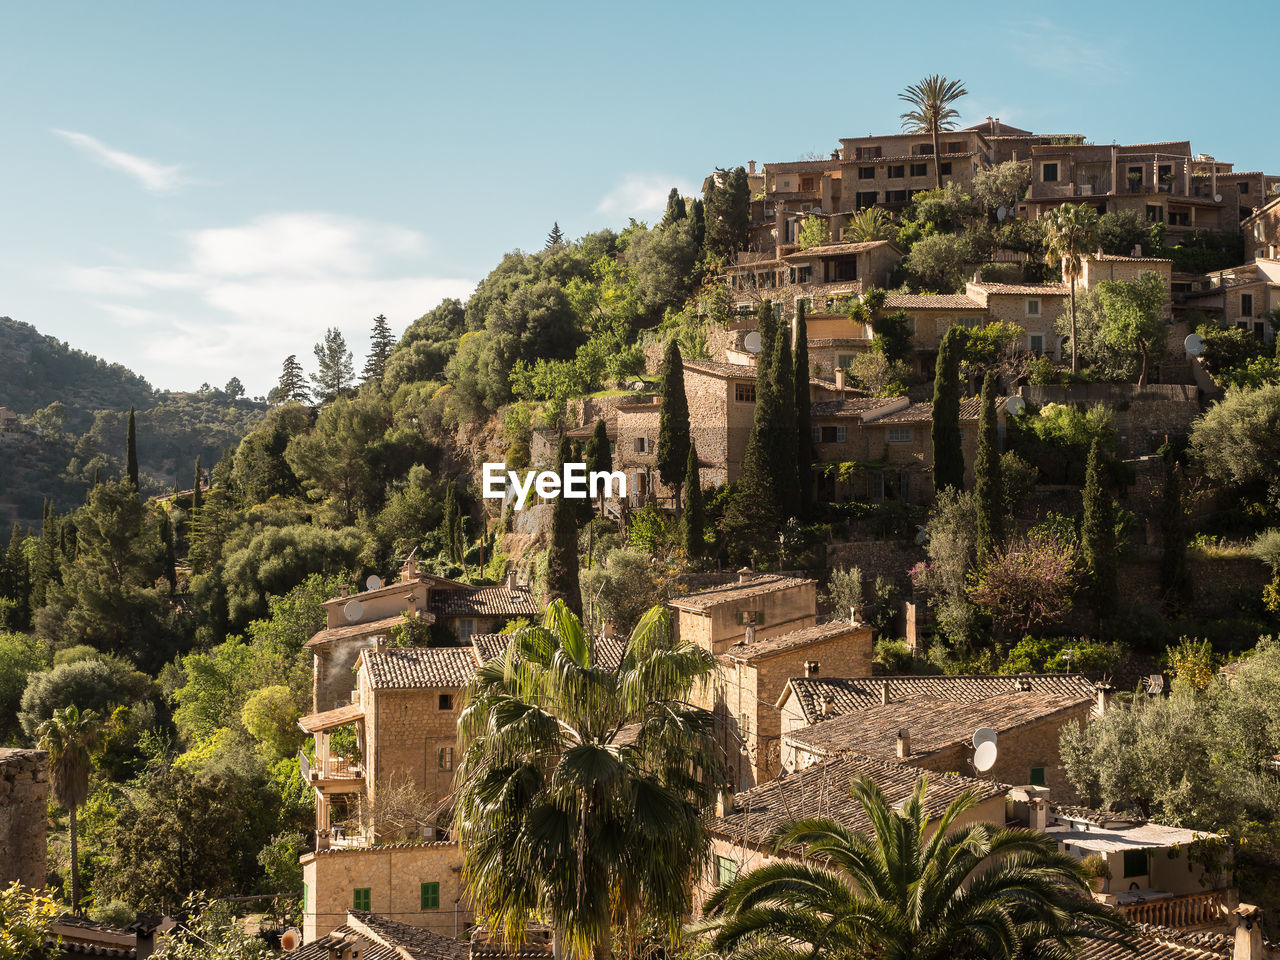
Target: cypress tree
[948, 455]
[1098, 534]
[698, 222]
[381, 342]
[783, 435]
[45, 570]
[197, 495]
[753, 517]
[131, 451]
[673, 420]
[987, 485]
[97, 477]
[1173, 541]
[804, 412]
[562, 563]
[170, 557]
[15, 584]
[599, 454]
[450, 523]
[675, 207]
[693, 521]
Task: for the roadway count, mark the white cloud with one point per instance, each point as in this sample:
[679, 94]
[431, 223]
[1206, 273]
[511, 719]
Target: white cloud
[641, 194]
[1042, 44]
[153, 176]
[246, 296]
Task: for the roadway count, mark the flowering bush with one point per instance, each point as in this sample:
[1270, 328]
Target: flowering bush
[1029, 584]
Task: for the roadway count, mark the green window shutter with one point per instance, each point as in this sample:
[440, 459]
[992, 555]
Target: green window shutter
[726, 870]
[304, 898]
[1037, 776]
[431, 896]
[361, 899]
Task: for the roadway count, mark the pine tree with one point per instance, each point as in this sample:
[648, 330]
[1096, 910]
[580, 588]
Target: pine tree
[170, 556]
[599, 454]
[292, 387]
[948, 454]
[1173, 540]
[693, 521]
[131, 451]
[804, 412]
[783, 435]
[15, 584]
[987, 485]
[698, 222]
[562, 562]
[1098, 534]
[334, 371]
[381, 342]
[197, 494]
[450, 523]
[556, 237]
[675, 207]
[673, 420]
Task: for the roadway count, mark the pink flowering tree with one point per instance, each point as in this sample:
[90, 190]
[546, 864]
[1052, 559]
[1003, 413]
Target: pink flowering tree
[1028, 585]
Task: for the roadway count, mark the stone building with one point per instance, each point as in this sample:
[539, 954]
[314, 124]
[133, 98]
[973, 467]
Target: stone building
[1242, 297]
[1261, 230]
[763, 630]
[834, 270]
[923, 733]
[1035, 307]
[377, 937]
[24, 797]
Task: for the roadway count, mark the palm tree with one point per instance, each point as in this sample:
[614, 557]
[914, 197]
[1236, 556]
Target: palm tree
[911, 889]
[70, 736]
[1071, 231]
[869, 224]
[581, 789]
[932, 112]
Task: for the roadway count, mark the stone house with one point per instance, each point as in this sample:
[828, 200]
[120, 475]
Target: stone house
[834, 270]
[1035, 307]
[10, 421]
[924, 733]
[1242, 297]
[1261, 230]
[888, 171]
[1105, 266]
[24, 817]
[353, 619]
[763, 630]
[742, 825]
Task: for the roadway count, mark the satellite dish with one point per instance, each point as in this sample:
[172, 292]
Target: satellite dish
[1015, 406]
[983, 735]
[751, 342]
[1217, 198]
[290, 940]
[352, 610]
[1194, 345]
[374, 582]
[984, 758]
[1001, 212]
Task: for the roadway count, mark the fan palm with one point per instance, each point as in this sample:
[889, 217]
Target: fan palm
[869, 224]
[1071, 231]
[580, 791]
[931, 111]
[70, 737]
[911, 889]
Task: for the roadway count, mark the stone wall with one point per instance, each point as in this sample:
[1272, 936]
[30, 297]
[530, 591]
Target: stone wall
[891, 559]
[409, 730]
[24, 795]
[1144, 416]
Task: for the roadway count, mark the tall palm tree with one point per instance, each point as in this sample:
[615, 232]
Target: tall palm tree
[1071, 231]
[70, 737]
[931, 111]
[580, 792]
[902, 892]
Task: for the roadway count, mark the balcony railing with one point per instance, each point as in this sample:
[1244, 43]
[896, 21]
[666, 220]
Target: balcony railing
[335, 768]
[1185, 912]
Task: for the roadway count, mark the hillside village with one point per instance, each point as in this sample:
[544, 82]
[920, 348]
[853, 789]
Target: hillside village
[951, 512]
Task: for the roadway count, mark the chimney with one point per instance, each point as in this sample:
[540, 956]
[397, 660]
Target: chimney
[750, 637]
[904, 743]
[344, 591]
[991, 126]
[610, 628]
[1024, 685]
[511, 578]
[1038, 808]
[835, 154]
[751, 166]
[412, 610]
[853, 614]
[840, 381]
[1105, 693]
[811, 668]
[724, 802]
[1248, 933]
[746, 575]
[1137, 250]
[996, 131]
[828, 706]
[884, 694]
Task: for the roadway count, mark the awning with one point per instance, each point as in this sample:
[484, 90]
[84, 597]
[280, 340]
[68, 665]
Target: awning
[329, 719]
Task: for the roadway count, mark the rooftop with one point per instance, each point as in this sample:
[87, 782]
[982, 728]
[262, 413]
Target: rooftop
[874, 730]
[848, 407]
[922, 412]
[328, 719]
[743, 371]
[355, 630]
[1023, 289]
[1116, 258]
[733, 592]
[931, 301]
[839, 249]
[606, 651]
[496, 601]
[743, 652]
[1096, 832]
[404, 668]
[384, 939]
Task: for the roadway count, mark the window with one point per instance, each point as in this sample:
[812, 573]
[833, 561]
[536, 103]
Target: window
[1033, 308]
[806, 183]
[866, 198]
[726, 871]
[1101, 208]
[1155, 213]
[1049, 172]
[955, 146]
[431, 896]
[844, 361]
[750, 617]
[919, 169]
[866, 173]
[1243, 187]
[830, 434]
[1037, 776]
[1036, 342]
[896, 171]
[802, 274]
[815, 433]
[446, 701]
[1135, 863]
[446, 758]
[923, 149]
[744, 392]
[867, 153]
[640, 445]
[895, 196]
[361, 899]
[899, 434]
[945, 168]
[1246, 304]
[846, 268]
[465, 629]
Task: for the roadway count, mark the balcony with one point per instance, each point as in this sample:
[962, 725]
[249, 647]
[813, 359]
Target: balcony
[328, 768]
[1186, 912]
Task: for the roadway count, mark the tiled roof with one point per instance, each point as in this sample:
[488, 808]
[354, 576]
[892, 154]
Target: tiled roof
[822, 790]
[838, 341]
[931, 301]
[911, 158]
[1162, 943]
[732, 592]
[848, 407]
[848, 694]
[497, 601]
[537, 943]
[739, 370]
[381, 938]
[345, 935]
[1023, 289]
[354, 630]
[922, 412]
[400, 845]
[802, 166]
[329, 719]
[607, 651]
[932, 727]
[743, 652]
[838, 249]
[1116, 258]
[402, 668]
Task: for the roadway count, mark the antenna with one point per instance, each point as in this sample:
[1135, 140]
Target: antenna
[751, 342]
[1015, 406]
[984, 757]
[374, 582]
[984, 735]
[352, 610]
[1194, 345]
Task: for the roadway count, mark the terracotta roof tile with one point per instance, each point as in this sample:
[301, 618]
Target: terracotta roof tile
[742, 371]
[931, 301]
[607, 651]
[1023, 289]
[848, 407]
[848, 694]
[403, 668]
[1115, 258]
[329, 719]
[497, 601]
[355, 630]
[922, 412]
[1162, 943]
[732, 592]
[743, 652]
[839, 249]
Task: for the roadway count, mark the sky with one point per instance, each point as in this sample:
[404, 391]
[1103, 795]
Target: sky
[199, 190]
